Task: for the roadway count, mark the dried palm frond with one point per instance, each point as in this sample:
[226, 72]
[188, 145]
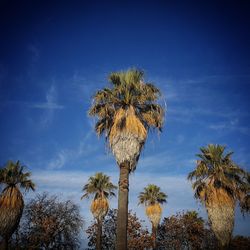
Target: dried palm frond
[99, 185]
[126, 112]
[152, 194]
[219, 183]
[11, 207]
[154, 214]
[10, 198]
[127, 136]
[101, 188]
[125, 120]
[220, 208]
[99, 208]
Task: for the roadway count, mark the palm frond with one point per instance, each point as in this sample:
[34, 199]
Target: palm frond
[152, 195]
[99, 185]
[128, 89]
[13, 175]
[216, 170]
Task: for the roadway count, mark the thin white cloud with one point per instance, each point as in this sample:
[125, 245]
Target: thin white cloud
[64, 156]
[49, 106]
[70, 183]
[164, 161]
[81, 87]
[60, 160]
[188, 113]
[46, 105]
[180, 194]
[228, 127]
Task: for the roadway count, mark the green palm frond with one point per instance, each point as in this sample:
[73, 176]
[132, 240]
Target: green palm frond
[98, 186]
[217, 168]
[13, 175]
[244, 194]
[152, 195]
[127, 89]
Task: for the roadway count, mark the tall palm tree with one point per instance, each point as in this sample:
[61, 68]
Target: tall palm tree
[152, 198]
[12, 178]
[101, 188]
[219, 183]
[125, 112]
[245, 195]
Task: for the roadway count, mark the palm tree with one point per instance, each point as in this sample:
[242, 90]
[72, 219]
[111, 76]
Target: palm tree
[125, 112]
[13, 178]
[152, 197]
[245, 195]
[218, 182]
[101, 188]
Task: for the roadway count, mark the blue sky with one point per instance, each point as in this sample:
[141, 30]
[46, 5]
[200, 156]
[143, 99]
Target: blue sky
[54, 56]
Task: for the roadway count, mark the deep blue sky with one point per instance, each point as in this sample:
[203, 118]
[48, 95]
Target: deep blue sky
[54, 56]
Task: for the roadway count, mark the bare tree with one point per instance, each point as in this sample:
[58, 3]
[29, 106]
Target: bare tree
[185, 231]
[138, 238]
[49, 223]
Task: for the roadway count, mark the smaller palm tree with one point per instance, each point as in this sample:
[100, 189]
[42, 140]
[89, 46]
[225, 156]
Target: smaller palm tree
[12, 179]
[101, 188]
[219, 183]
[152, 198]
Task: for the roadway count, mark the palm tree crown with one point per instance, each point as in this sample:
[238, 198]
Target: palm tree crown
[13, 176]
[215, 169]
[152, 195]
[218, 182]
[125, 112]
[99, 186]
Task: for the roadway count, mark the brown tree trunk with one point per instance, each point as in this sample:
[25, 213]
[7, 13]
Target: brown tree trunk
[154, 229]
[99, 235]
[122, 216]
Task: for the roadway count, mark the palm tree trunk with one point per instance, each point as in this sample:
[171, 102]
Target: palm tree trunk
[122, 216]
[99, 235]
[221, 218]
[154, 236]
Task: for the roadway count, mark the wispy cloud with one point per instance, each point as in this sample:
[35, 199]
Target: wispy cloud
[81, 86]
[49, 106]
[188, 113]
[46, 105]
[64, 156]
[218, 120]
[229, 126]
[50, 102]
[179, 191]
[70, 183]
[59, 161]
[165, 161]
